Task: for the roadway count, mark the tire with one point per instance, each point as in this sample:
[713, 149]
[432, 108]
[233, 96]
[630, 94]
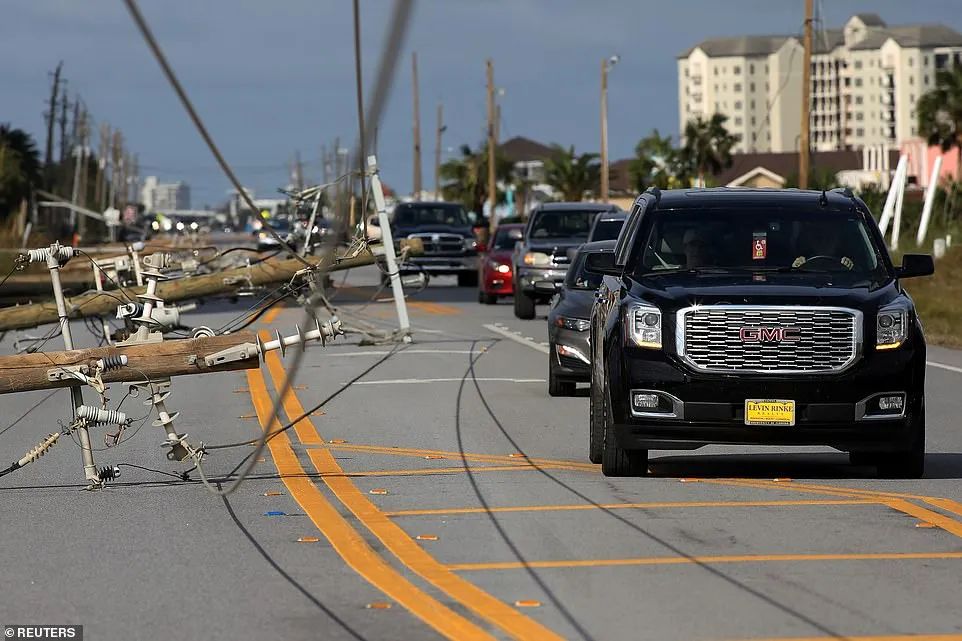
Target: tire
[910, 463]
[523, 306]
[468, 279]
[617, 461]
[596, 422]
[487, 299]
[557, 387]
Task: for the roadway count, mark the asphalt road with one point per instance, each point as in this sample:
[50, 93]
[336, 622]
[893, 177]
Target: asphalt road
[444, 495]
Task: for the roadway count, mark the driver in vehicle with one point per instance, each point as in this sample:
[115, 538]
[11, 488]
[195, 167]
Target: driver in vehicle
[822, 241]
[697, 249]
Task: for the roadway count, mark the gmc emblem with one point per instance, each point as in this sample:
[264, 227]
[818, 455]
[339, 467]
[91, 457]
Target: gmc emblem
[769, 334]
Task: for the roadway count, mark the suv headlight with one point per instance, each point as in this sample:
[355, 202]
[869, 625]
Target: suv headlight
[643, 325]
[576, 324]
[536, 259]
[891, 326]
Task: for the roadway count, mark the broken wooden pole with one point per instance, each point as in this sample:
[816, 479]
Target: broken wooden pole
[50, 370]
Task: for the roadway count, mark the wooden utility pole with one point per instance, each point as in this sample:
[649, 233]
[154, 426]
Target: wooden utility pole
[103, 159]
[804, 142]
[437, 152]
[64, 107]
[604, 131]
[26, 372]
[51, 116]
[417, 126]
[492, 184]
[362, 140]
[298, 171]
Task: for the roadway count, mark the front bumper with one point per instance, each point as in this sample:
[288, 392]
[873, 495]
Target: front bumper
[710, 407]
[528, 276]
[442, 265]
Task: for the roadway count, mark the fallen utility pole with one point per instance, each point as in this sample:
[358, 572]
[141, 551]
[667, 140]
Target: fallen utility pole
[98, 304]
[51, 370]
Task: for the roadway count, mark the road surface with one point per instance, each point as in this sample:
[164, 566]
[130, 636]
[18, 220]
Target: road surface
[443, 495]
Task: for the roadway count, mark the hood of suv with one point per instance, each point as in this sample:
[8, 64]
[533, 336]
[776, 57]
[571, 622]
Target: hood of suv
[406, 230]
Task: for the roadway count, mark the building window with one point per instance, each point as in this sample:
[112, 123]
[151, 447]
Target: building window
[751, 87]
[925, 61]
[911, 61]
[858, 64]
[738, 105]
[925, 81]
[738, 86]
[738, 121]
[753, 121]
[848, 82]
[752, 104]
[751, 68]
[754, 136]
[911, 80]
[737, 70]
[859, 115]
[858, 82]
[860, 132]
[858, 100]
[716, 71]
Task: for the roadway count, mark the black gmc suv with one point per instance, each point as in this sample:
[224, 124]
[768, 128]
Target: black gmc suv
[756, 317]
[450, 246]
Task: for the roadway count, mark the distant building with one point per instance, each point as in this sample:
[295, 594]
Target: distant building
[162, 197]
[527, 156]
[866, 81]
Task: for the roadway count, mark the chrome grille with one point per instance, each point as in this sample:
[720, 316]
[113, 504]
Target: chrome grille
[440, 243]
[710, 339]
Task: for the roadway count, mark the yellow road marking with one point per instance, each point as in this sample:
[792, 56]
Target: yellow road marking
[434, 308]
[444, 470]
[946, 504]
[946, 523]
[624, 506]
[897, 637]
[484, 458]
[704, 560]
[271, 314]
[346, 541]
[407, 549]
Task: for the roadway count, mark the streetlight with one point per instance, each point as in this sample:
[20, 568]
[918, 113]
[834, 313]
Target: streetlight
[606, 65]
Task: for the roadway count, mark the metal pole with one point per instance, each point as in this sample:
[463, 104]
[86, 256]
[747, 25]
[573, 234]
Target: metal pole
[76, 392]
[492, 184]
[417, 127]
[388, 242]
[604, 131]
[100, 287]
[805, 142]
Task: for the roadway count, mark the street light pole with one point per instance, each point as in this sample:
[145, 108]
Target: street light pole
[606, 66]
[492, 185]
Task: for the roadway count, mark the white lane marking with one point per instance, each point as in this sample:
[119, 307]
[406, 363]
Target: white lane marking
[951, 368]
[414, 381]
[518, 339]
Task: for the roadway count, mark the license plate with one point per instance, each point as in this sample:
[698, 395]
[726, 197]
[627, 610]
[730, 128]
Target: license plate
[769, 412]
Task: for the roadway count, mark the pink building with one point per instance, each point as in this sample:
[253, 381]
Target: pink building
[921, 159]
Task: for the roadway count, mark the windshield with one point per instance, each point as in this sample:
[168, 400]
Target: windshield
[719, 240]
[507, 238]
[571, 223]
[607, 229]
[453, 215]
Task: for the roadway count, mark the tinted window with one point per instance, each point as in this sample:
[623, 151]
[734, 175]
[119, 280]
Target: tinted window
[759, 239]
[431, 215]
[607, 229]
[507, 238]
[563, 224]
[580, 276]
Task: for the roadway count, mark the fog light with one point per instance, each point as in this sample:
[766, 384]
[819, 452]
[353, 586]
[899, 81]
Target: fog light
[886, 403]
[644, 401]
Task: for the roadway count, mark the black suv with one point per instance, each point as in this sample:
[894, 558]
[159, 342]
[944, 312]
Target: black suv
[756, 317]
[450, 246]
[541, 260]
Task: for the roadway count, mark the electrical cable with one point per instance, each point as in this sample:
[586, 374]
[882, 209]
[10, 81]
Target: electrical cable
[195, 118]
[104, 273]
[9, 274]
[27, 413]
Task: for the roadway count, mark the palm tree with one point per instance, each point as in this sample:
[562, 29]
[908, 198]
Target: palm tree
[465, 179]
[708, 146]
[657, 163]
[19, 167]
[572, 174]
[940, 112]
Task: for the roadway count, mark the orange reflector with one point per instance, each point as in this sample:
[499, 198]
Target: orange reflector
[241, 390]
[782, 480]
[299, 388]
[925, 525]
[378, 605]
[433, 456]
[377, 490]
[307, 539]
[527, 603]
[517, 456]
[247, 416]
[427, 537]
[261, 459]
[273, 493]
[337, 440]
[317, 413]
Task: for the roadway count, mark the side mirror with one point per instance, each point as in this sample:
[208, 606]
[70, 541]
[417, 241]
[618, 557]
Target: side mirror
[545, 287]
[602, 263]
[915, 265]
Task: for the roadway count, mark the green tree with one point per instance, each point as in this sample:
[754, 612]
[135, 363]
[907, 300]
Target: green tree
[572, 174]
[708, 146]
[19, 168]
[940, 112]
[465, 179]
[657, 163]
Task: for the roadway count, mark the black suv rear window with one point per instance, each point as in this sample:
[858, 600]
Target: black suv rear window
[453, 215]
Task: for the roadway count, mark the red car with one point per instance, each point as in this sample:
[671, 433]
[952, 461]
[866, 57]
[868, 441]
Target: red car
[497, 278]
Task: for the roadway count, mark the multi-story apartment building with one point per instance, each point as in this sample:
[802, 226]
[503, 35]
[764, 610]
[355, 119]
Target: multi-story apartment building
[866, 81]
[158, 196]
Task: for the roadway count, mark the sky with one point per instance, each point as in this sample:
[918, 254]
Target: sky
[273, 77]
